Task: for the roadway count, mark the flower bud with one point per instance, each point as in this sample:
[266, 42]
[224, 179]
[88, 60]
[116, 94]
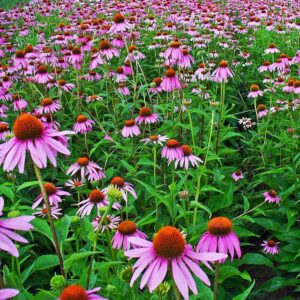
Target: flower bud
[57, 282]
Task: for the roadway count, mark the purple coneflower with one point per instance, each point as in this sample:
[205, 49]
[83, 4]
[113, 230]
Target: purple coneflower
[170, 81]
[146, 116]
[120, 24]
[172, 150]
[19, 60]
[111, 222]
[92, 76]
[32, 136]
[96, 199]
[126, 229]
[262, 111]
[120, 75]
[187, 59]
[42, 76]
[271, 49]
[271, 196]
[93, 98]
[107, 51]
[220, 237]
[255, 91]
[155, 86]
[222, 73]
[75, 183]
[187, 158]
[63, 85]
[7, 233]
[169, 251]
[237, 175]
[4, 131]
[43, 212]
[76, 292]
[123, 186]
[76, 58]
[19, 103]
[155, 139]
[130, 129]
[54, 195]
[270, 247]
[83, 124]
[174, 52]
[123, 89]
[86, 168]
[134, 54]
[49, 106]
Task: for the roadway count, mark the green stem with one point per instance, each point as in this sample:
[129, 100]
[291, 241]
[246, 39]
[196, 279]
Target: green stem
[221, 115]
[176, 291]
[47, 203]
[154, 178]
[216, 280]
[248, 211]
[191, 127]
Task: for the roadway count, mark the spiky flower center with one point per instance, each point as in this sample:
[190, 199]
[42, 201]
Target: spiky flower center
[272, 193]
[20, 54]
[104, 45]
[172, 143]
[44, 210]
[76, 50]
[175, 44]
[145, 112]
[254, 88]
[129, 123]
[50, 188]
[170, 72]
[266, 63]
[27, 127]
[127, 227]
[153, 138]
[157, 81]
[119, 70]
[83, 161]
[271, 243]
[169, 242]
[187, 150]
[272, 46]
[119, 18]
[132, 48]
[28, 49]
[81, 119]
[219, 226]
[297, 83]
[238, 172]
[42, 70]
[261, 107]
[223, 64]
[96, 196]
[74, 292]
[3, 127]
[47, 101]
[117, 180]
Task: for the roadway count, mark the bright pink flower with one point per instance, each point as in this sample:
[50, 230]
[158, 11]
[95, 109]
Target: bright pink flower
[8, 293]
[126, 229]
[43, 212]
[130, 129]
[4, 131]
[220, 237]
[172, 150]
[187, 158]
[174, 52]
[170, 81]
[76, 292]
[271, 196]
[54, 195]
[83, 124]
[48, 106]
[255, 91]
[237, 175]
[120, 24]
[146, 116]
[169, 251]
[42, 76]
[32, 136]
[270, 247]
[7, 233]
[107, 51]
[111, 222]
[222, 73]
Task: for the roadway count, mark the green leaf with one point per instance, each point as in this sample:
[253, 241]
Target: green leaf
[228, 271]
[245, 293]
[42, 227]
[256, 259]
[7, 191]
[62, 228]
[27, 184]
[77, 256]
[201, 206]
[46, 262]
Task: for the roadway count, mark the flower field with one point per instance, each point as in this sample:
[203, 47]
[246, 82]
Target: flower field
[150, 150]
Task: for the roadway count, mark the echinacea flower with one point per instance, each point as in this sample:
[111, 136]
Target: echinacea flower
[107, 51]
[174, 51]
[42, 76]
[32, 136]
[222, 73]
[63, 85]
[237, 175]
[187, 158]
[75, 183]
[270, 247]
[134, 54]
[111, 222]
[7, 233]
[54, 195]
[146, 116]
[172, 150]
[272, 49]
[262, 111]
[271, 196]
[43, 212]
[76, 292]
[187, 59]
[8, 293]
[49, 106]
[83, 124]
[155, 139]
[120, 24]
[86, 168]
[96, 199]
[255, 91]
[123, 186]
[4, 131]
[126, 229]
[19, 103]
[130, 129]
[220, 237]
[170, 81]
[155, 85]
[76, 58]
[169, 251]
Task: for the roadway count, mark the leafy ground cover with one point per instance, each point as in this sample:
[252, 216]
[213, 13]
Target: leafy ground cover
[149, 150]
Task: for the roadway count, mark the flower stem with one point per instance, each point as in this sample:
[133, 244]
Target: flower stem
[221, 115]
[216, 280]
[248, 211]
[176, 291]
[154, 178]
[47, 203]
[191, 127]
